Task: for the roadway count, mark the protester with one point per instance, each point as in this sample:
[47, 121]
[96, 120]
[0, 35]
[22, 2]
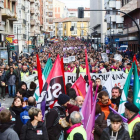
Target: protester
[100, 122]
[11, 81]
[79, 101]
[52, 118]
[132, 113]
[24, 116]
[116, 130]
[105, 102]
[6, 126]
[15, 110]
[116, 96]
[35, 129]
[31, 90]
[76, 131]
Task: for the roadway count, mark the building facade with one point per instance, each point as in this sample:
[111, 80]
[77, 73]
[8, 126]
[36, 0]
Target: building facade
[97, 22]
[131, 7]
[58, 9]
[114, 21]
[63, 25]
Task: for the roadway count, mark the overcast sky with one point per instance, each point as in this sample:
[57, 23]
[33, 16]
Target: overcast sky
[76, 3]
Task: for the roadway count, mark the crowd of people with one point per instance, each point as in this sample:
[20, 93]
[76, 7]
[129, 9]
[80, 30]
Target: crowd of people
[23, 121]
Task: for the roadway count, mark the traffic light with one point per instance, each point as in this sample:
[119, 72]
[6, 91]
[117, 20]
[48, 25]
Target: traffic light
[80, 12]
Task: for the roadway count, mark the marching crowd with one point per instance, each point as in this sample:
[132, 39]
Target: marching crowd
[23, 121]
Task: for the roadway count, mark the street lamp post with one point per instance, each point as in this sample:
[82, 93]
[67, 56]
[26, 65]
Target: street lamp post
[81, 15]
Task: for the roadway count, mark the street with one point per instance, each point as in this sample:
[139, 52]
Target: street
[7, 103]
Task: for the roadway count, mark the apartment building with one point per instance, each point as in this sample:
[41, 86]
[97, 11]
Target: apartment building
[114, 22]
[58, 9]
[131, 7]
[49, 18]
[63, 25]
[8, 16]
[97, 22]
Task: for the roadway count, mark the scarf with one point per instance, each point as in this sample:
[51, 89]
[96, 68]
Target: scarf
[83, 67]
[72, 127]
[17, 110]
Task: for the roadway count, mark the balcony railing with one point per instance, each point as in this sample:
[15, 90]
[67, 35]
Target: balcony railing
[6, 12]
[2, 27]
[32, 10]
[32, 0]
[32, 22]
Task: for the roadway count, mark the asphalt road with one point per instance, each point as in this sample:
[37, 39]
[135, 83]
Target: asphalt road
[7, 103]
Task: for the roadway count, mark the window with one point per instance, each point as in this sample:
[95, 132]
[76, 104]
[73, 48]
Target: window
[19, 13]
[15, 31]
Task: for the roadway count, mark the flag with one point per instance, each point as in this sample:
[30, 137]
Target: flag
[125, 93]
[40, 80]
[45, 74]
[80, 86]
[91, 121]
[136, 87]
[62, 66]
[135, 59]
[54, 85]
[109, 84]
[87, 106]
[87, 67]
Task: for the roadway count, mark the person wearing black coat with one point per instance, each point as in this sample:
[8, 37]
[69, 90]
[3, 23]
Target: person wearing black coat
[100, 122]
[53, 116]
[116, 130]
[15, 110]
[34, 129]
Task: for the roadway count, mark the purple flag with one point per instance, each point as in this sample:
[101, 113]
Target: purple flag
[91, 121]
[87, 106]
[43, 106]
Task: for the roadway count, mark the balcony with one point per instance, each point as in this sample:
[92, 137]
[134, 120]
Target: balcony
[115, 4]
[32, 10]
[2, 26]
[13, 0]
[1, 5]
[131, 30]
[114, 31]
[32, 22]
[114, 18]
[46, 3]
[7, 13]
[32, 1]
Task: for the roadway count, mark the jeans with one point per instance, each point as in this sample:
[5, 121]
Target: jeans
[11, 90]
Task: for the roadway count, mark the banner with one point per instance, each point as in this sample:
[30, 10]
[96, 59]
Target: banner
[69, 59]
[118, 77]
[118, 57]
[104, 57]
[29, 79]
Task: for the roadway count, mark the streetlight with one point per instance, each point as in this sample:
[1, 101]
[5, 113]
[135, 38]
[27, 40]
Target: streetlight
[81, 15]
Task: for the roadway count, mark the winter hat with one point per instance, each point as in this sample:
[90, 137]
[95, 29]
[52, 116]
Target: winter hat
[63, 98]
[72, 108]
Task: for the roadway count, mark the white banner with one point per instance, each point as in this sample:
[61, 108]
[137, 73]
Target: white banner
[69, 59]
[118, 77]
[29, 79]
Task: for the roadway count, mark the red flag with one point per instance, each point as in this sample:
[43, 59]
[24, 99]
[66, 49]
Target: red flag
[62, 66]
[87, 68]
[54, 85]
[40, 80]
[135, 60]
[80, 86]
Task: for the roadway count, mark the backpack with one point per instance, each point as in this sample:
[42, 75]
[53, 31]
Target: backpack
[61, 135]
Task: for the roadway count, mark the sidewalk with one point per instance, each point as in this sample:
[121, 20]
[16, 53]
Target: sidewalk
[7, 103]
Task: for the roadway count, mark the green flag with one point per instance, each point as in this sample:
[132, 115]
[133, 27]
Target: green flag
[45, 74]
[136, 88]
[125, 93]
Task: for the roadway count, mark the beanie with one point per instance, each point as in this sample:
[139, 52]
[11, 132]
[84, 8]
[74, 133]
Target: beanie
[63, 98]
[72, 108]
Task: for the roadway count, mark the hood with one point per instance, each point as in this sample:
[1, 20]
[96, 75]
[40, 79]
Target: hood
[109, 103]
[5, 126]
[28, 107]
[103, 88]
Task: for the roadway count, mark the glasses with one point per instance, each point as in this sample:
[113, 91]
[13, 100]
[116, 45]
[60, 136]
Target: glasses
[105, 100]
